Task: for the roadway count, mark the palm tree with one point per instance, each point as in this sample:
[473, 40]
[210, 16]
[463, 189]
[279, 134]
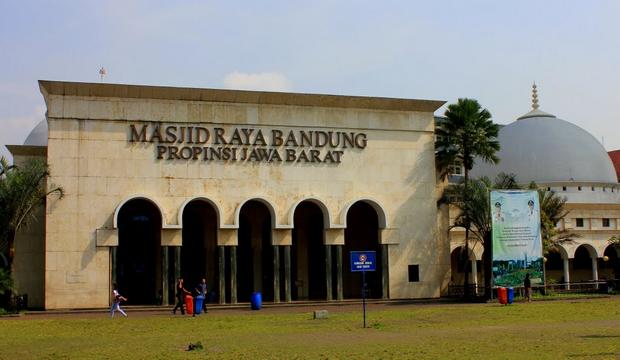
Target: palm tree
[22, 190]
[476, 214]
[466, 133]
[551, 212]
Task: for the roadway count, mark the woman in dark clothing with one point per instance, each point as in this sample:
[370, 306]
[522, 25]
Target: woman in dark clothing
[180, 294]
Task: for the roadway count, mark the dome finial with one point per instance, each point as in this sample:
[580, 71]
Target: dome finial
[534, 97]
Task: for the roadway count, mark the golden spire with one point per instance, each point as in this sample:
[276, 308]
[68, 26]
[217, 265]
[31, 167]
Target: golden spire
[534, 97]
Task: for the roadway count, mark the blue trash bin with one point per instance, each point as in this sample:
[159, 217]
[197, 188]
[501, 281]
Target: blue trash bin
[510, 295]
[256, 300]
[198, 304]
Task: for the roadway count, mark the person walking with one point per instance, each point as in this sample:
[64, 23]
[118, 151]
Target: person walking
[527, 284]
[116, 303]
[201, 289]
[180, 294]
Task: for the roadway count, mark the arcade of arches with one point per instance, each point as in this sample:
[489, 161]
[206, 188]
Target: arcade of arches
[584, 266]
[307, 269]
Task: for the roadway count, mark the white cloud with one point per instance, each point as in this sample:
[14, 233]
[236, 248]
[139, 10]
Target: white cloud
[267, 81]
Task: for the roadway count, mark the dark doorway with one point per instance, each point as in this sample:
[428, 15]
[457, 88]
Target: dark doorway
[199, 257]
[254, 252]
[308, 254]
[610, 269]
[362, 233]
[138, 262]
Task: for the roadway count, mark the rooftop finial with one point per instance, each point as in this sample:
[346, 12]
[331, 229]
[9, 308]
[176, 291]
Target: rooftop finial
[534, 97]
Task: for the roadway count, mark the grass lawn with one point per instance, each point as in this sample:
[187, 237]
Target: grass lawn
[576, 329]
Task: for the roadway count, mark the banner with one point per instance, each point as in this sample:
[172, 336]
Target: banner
[517, 244]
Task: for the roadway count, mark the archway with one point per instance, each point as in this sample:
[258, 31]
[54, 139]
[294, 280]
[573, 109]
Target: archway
[308, 254]
[254, 252]
[610, 263]
[199, 257]
[554, 268]
[582, 264]
[138, 265]
[459, 264]
[362, 233]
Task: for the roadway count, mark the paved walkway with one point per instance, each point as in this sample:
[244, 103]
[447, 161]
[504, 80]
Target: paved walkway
[270, 308]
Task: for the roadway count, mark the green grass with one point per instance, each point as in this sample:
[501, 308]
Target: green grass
[579, 329]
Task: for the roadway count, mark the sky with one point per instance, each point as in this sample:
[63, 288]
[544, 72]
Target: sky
[490, 50]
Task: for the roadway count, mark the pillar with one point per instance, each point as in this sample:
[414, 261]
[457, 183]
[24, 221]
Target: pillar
[328, 272]
[595, 269]
[276, 273]
[287, 273]
[566, 273]
[164, 276]
[233, 274]
[177, 262]
[113, 250]
[339, 292]
[385, 272]
[474, 275]
[221, 264]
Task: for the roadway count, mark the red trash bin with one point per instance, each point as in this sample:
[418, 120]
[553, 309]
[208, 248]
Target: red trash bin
[189, 304]
[502, 295]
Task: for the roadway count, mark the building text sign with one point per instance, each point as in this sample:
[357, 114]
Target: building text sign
[237, 144]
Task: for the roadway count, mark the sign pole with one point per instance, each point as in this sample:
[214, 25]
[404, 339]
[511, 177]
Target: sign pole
[364, 296]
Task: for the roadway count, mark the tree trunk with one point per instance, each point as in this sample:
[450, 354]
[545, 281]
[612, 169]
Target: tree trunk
[11, 254]
[466, 292]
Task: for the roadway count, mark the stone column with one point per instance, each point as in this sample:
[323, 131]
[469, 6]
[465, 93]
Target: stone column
[113, 250]
[566, 273]
[221, 263]
[233, 274]
[276, 273]
[385, 272]
[474, 275]
[164, 275]
[328, 272]
[595, 269]
[339, 289]
[287, 273]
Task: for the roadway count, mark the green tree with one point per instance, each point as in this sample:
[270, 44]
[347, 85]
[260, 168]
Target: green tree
[552, 210]
[467, 133]
[474, 212]
[22, 190]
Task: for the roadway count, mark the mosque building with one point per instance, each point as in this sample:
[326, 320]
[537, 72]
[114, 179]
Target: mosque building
[562, 157]
[255, 191]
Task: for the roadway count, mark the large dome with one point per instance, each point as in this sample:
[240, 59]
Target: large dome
[542, 148]
[38, 135]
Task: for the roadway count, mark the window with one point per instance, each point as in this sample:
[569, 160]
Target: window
[456, 169]
[605, 222]
[592, 188]
[579, 222]
[579, 188]
[548, 188]
[414, 273]
[563, 188]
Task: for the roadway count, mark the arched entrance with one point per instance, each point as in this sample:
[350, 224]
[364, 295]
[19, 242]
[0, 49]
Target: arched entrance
[199, 257]
[610, 263]
[308, 254]
[362, 233]
[254, 252]
[554, 268]
[138, 264]
[583, 264]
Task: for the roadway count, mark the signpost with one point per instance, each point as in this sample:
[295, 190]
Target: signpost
[363, 261]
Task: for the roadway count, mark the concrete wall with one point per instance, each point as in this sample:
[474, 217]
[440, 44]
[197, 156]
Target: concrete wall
[91, 157]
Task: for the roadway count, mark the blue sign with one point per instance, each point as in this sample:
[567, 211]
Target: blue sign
[363, 261]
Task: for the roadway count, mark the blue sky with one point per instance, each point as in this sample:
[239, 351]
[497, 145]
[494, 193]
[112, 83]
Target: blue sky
[487, 50]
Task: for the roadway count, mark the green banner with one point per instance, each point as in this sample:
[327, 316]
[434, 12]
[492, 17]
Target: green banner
[517, 245]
